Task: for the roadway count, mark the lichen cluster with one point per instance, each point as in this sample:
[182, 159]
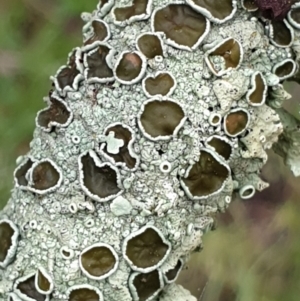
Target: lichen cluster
[163, 113]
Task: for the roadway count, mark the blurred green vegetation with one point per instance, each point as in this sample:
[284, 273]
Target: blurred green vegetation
[35, 38]
[255, 253]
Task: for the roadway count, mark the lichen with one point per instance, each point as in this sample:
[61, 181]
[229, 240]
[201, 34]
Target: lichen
[165, 110]
[98, 261]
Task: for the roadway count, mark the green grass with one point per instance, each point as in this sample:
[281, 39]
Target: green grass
[255, 253]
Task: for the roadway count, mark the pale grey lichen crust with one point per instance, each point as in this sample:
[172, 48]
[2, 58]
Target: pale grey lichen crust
[145, 177]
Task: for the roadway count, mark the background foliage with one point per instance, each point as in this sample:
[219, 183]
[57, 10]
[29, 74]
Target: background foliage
[255, 252]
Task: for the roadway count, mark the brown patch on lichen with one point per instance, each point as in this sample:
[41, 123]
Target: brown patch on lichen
[236, 122]
[173, 273]
[159, 85]
[98, 261]
[147, 285]
[216, 119]
[102, 3]
[295, 14]
[57, 112]
[67, 75]
[96, 61]
[230, 51]
[66, 253]
[248, 192]
[100, 181]
[257, 96]
[27, 288]
[146, 249]
[161, 118]
[21, 172]
[139, 7]
[83, 294]
[285, 69]
[222, 147]
[250, 5]
[129, 67]
[218, 9]
[281, 33]
[44, 176]
[100, 32]
[6, 234]
[180, 23]
[206, 176]
[43, 282]
[150, 45]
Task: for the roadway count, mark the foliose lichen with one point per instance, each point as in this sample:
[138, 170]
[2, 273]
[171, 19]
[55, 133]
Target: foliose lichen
[165, 110]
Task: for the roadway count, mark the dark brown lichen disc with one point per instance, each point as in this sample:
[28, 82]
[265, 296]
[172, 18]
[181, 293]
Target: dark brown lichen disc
[173, 273]
[150, 45]
[230, 51]
[222, 147]
[257, 96]
[220, 9]
[161, 118]
[100, 32]
[295, 15]
[83, 294]
[67, 75]
[98, 261]
[236, 122]
[6, 234]
[146, 249]
[147, 285]
[216, 120]
[248, 192]
[57, 112]
[102, 3]
[100, 181]
[250, 5]
[27, 288]
[129, 67]
[21, 172]
[161, 84]
[43, 282]
[123, 155]
[285, 69]
[97, 64]
[207, 176]
[138, 7]
[66, 253]
[180, 23]
[45, 176]
[282, 34]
